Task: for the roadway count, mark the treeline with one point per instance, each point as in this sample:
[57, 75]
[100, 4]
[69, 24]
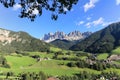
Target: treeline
[83, 75]
[26, 76]
[65, 56]
[32, 76]
[89, 76]
[96, 65]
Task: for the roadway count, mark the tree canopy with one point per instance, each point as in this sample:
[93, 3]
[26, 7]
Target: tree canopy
[28, 6]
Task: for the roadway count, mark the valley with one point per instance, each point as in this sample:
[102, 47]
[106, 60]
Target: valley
[96, 57]
[56, 66]
[59, 40]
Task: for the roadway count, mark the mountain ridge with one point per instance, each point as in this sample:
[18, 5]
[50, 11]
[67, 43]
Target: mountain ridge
[101, 41]
[11, 41]
[75, 35]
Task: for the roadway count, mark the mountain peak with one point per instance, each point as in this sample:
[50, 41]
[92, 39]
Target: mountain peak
[75, 35]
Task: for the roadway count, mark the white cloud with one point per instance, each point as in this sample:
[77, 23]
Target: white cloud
[97, 22]
[110, 22]
[65, 9]
[117, 2]
[88, 18]
[89, 5]
[80, 23]
[35, 11]
[16, 6]
[88, 25]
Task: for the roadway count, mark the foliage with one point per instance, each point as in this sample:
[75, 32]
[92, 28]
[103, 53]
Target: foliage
[41, 54]
[3, 62]
[29, 6]
[84, 75]
[71, 64]
[96, 64]
[69, 78]
[32, 76]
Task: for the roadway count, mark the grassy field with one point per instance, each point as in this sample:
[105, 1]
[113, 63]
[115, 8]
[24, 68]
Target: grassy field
[102, 56]
[19, 63]
[53, 49]
[50, 67]
[116, 51]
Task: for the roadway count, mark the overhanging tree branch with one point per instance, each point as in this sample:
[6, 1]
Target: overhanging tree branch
[29, 6]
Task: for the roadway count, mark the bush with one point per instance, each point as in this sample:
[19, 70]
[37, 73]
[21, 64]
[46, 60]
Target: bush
[6, 66]
[71, 64]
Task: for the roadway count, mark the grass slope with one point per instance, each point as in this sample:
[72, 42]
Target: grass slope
[19, 62]
[116, 51]
[102, 56]
[52, 67]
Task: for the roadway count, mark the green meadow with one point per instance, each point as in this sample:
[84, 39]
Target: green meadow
[116, 51]
[20, 63]
[102, 56]
[25, 63]
[50, 67]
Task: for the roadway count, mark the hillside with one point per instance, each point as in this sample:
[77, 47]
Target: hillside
[63, 44]
[104, 40]
[11, 41]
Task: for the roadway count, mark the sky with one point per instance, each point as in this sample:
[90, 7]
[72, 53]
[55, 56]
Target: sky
[87, 15]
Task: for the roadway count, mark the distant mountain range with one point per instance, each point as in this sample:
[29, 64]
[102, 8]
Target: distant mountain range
[101, 41]
[75, 35]
[11, 41]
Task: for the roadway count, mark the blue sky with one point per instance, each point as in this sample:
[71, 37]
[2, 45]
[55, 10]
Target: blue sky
[87, 15]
